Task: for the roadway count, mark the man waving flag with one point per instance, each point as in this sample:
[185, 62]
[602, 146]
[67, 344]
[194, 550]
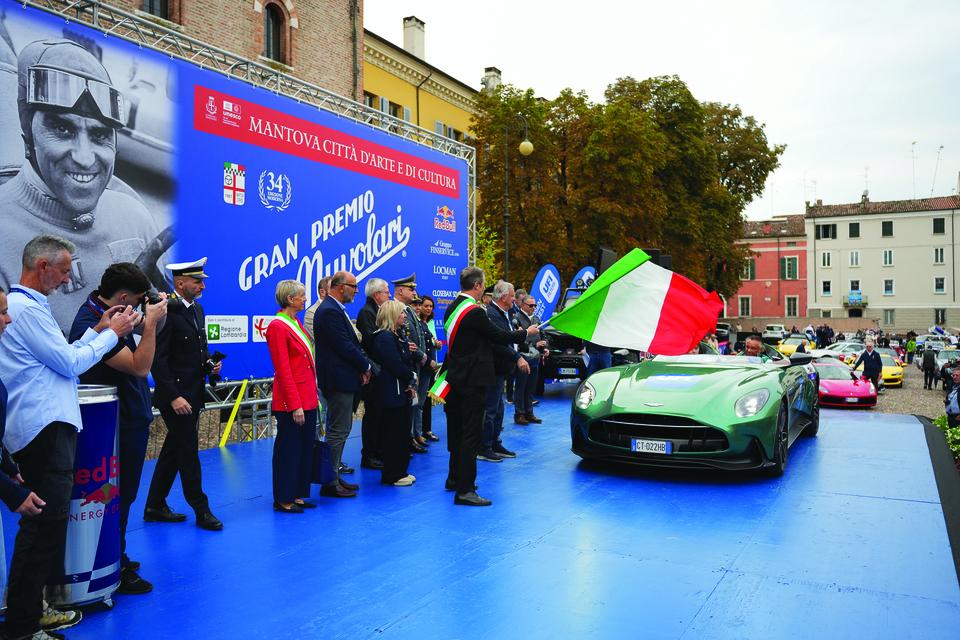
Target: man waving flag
[636, 304]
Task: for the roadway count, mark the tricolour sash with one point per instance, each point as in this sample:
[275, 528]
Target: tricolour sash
[297, 331]
[438, 392]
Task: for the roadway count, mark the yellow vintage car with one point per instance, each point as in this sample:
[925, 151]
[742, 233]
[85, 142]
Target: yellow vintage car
[789, 346]
[892, 373]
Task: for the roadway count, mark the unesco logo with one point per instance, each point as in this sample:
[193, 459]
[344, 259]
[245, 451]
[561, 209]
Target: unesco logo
[275, 190]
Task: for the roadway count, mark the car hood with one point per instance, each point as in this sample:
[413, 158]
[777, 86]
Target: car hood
[846, 387]
[670, 387]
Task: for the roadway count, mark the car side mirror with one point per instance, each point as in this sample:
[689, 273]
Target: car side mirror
[801, 358]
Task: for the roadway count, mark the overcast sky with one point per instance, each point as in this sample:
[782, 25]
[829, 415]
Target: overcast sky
[847, 86]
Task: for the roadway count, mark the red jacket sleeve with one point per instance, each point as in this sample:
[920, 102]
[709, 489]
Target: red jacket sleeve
[285, 395]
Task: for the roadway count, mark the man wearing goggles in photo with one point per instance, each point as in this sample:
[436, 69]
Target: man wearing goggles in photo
[70, 117]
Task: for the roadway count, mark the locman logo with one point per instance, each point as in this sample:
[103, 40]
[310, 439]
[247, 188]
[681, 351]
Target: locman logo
[444, 220]
[234, 183]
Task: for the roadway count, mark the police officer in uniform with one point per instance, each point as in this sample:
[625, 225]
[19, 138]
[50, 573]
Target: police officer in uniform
[180, 369]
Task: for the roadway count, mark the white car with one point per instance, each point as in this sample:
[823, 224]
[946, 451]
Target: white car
[774, 332]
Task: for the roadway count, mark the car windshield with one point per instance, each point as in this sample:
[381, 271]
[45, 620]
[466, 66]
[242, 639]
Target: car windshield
[833, 372]
[890, 352]
[888, 361]
[707, 358]
[793, 341]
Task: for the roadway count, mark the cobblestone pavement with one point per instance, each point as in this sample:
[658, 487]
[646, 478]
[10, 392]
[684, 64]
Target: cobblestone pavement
[912, 398]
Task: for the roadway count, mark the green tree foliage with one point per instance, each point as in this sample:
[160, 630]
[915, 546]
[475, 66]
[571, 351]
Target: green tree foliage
[649, 167]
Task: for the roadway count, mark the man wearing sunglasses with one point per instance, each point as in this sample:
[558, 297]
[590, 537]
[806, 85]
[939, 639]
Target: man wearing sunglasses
[70, 116]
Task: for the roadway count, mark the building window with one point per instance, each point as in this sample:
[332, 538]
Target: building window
[939, 285]
[273, 25]
[854, 229]
[826, 232]
[789, 268]
[792, 305]
[888, 287]
[370, 100]
[854, 258]
[791, 244]
[889, 316]
[939, 225]
[744, 306]
[826, 288]
[159, 8]
[888, 257]
[825, 313]
[886, 228]
[749, 270]
[825, 259]
[938, 255]
[939, 316]
[854, 285]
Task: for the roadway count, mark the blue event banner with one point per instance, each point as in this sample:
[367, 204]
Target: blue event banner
[546, 290]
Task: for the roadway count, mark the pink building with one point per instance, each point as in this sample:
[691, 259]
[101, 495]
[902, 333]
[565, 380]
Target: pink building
[774, 282]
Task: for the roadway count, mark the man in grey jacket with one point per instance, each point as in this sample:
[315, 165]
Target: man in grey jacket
[531, 352]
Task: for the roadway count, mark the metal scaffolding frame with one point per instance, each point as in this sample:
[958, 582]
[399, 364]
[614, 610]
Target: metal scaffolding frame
[143, 32]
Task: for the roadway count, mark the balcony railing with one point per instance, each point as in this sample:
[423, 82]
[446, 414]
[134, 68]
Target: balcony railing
[855, 301]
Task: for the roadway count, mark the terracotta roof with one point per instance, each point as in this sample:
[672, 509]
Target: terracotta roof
[778, 227]
[865, 207]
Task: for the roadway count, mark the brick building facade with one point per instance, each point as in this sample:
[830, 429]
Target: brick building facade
[320, 42]
[774, 282]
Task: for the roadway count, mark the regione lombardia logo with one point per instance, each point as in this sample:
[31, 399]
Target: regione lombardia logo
[234, 183]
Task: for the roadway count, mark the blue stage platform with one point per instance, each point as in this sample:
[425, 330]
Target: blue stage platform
[851, 543]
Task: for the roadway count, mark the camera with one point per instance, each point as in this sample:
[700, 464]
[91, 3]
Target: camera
[150, 297]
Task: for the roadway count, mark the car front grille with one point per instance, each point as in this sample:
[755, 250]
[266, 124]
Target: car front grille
[687, 435]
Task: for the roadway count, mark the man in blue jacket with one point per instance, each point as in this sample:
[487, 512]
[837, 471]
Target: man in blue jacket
[872, 365]
[342, 369]
[506, 360]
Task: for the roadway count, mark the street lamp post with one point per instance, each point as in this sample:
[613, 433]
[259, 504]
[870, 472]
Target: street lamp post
[525, 148]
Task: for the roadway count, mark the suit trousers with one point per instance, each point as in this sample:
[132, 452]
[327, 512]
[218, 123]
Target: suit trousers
[46, 465]
[396, 443]
[464, 409]
[493, 413]
[293, 456]
[423, 386]
[929, 378]
[179, 455]
[371, 431]
[526, 384]
[133, 449]
[339, 423]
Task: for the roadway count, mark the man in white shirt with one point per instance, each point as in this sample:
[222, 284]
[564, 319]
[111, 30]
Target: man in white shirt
[40, 369]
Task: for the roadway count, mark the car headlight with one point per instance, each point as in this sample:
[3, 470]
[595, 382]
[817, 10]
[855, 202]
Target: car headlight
[823, 389]
[752, 403]
[585, 395]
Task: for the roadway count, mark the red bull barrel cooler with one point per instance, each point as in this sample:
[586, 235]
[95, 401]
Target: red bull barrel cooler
[91, 570]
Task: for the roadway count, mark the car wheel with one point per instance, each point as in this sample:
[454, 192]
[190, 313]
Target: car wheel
[814, 427]
[780, 441]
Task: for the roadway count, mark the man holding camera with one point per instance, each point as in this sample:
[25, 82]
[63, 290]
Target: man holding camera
[126, 367]
[180, 368]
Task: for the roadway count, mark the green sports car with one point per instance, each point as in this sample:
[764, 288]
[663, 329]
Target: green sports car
[708, 410]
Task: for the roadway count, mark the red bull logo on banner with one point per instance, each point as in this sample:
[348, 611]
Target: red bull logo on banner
[94, 502]
[444, 219]
[104, 495]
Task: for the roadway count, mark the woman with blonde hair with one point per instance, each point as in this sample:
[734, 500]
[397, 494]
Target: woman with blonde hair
[295, 400]
[394, 392]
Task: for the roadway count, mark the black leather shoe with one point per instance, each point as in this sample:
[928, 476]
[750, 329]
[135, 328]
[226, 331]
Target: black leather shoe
[209, 522]
[294, 508]
[372, 463]
[471, 499]
[336, 491]
[451, 485]
[416, 448]
[132, 584]
[346, 468]
[162, 514]
[349, 486]
[431, 436]
[306, 504]
[533, 419]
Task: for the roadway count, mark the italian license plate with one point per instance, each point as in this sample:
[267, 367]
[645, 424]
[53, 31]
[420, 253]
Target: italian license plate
[651, 446]
[568, 371]
[851, 399]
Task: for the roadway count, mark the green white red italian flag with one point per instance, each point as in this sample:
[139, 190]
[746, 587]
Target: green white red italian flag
[637, 304]
[441, 388]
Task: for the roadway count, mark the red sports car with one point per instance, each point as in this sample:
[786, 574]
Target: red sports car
[841, 387]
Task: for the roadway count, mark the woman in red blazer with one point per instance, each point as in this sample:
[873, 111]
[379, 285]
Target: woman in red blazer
[295, 400]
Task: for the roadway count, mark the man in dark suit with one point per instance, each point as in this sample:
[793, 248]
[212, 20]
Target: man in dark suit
[180, 368]
[342, 370]
[531, 352]
[377, 293]
[506, 361]
[469, 371]
[405, 292]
